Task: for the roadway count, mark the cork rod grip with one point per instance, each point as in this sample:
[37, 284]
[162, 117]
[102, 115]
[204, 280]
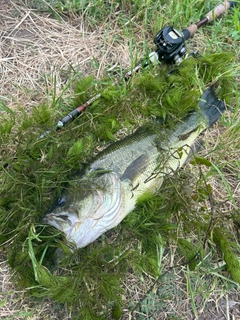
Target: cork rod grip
[192, 29]
[218, 11]
[210, 16]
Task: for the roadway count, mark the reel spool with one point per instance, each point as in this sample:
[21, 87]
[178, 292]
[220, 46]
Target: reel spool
[170, 45]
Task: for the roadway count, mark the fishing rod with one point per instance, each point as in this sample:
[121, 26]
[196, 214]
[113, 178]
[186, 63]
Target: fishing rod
[170, 49]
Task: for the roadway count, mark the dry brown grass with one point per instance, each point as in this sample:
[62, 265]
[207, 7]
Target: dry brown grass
[33, 46]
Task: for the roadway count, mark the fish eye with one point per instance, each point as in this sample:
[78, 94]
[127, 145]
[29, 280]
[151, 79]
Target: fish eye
[61, 201]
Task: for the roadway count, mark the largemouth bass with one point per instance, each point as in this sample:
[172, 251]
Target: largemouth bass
[108, 190]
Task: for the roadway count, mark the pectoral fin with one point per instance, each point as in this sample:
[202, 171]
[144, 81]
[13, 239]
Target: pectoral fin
[136, 168]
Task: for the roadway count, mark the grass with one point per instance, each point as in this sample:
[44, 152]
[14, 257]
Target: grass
[176, 256]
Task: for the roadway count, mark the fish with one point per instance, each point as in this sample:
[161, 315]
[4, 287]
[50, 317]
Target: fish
[107, 191]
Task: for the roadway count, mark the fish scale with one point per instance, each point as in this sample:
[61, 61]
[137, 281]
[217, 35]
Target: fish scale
[108, 190]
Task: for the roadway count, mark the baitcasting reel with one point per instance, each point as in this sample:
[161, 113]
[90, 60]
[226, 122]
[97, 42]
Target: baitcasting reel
[170, 45]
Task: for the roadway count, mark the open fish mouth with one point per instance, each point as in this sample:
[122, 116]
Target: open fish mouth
[57, 219]
[97, 212]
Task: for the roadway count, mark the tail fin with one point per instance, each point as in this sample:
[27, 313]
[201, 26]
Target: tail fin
[211, 106]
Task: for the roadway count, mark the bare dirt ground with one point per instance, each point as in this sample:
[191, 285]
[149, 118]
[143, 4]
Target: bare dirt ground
[33, 45]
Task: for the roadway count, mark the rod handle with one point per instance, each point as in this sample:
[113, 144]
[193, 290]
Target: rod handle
[218, 11]
[209, 17]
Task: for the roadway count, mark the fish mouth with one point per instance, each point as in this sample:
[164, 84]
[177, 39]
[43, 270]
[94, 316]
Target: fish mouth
[98, 213]
[60, 219]
[51, 217]
[104, 218]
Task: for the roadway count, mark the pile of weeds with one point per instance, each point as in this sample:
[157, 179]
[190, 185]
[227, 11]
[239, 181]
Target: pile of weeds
[36, 161]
